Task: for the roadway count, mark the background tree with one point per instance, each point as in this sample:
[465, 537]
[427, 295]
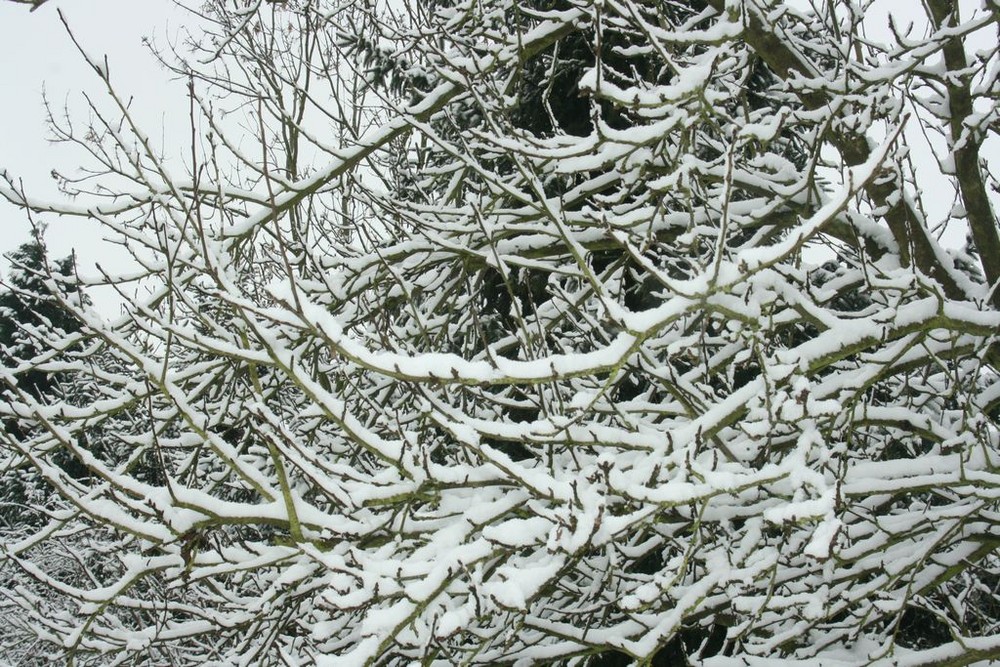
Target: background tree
[29, 307]
[28, 310]
[662, 362]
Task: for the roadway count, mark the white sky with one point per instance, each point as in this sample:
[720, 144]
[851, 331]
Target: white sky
[35, 51]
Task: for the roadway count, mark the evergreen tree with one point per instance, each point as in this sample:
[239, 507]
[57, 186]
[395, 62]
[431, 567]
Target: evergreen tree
[29, 308]
[30, 312]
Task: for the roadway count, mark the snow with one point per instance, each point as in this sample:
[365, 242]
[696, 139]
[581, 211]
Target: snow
[453, 390]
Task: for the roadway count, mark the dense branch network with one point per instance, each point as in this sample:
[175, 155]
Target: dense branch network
[543, 332]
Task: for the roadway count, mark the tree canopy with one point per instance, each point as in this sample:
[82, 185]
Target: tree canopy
[586, 332]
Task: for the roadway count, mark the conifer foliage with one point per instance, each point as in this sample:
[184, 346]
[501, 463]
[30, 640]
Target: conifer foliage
[29, 312]
[588, 332]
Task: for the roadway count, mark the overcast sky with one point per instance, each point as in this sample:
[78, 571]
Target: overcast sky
[36, 53]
